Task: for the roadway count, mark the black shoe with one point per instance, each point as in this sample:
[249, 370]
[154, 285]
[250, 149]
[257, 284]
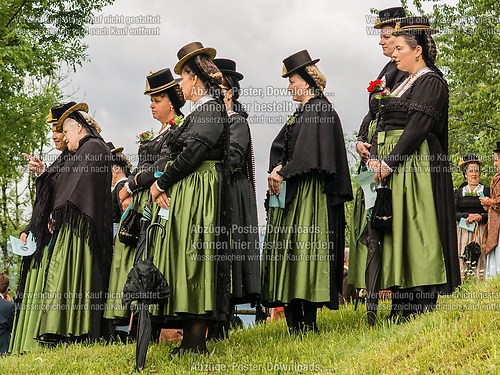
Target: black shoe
[176, 352]
[203, 351]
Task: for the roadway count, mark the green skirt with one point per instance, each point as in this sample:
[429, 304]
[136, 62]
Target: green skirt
[412, 254]
[27, 319]
[121, 264]
[186, 255]
[70, 295]
[296, 256]
[358, 251]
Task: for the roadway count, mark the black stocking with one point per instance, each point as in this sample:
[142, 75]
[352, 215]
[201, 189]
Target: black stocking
[310, 313]
[294, 316]
[197, 333]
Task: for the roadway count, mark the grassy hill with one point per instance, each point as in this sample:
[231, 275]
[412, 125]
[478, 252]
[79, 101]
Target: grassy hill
[462, 336]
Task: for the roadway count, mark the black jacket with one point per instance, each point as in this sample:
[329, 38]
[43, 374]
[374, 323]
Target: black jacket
[6, 322]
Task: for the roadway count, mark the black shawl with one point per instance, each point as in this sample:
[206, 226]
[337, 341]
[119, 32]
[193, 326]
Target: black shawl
[84, 191]
[314, 142]
[44, 203]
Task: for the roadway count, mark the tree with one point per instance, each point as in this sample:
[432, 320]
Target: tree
[37, 37]
[469, 55]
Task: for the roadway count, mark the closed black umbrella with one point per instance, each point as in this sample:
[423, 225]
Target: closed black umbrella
[146, 285]
[378, 222]
[372, 273]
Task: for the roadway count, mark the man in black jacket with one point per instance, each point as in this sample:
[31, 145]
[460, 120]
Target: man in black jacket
[6, 314]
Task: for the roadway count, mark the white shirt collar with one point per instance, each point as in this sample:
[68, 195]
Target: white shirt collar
[478, 189]
[202, 101]
[117, 182]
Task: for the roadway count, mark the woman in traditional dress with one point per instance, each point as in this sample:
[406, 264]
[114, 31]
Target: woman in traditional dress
[81, 244]
[469, 209]
[419, 256]
[33, 267]
[245, 249]
[491, 236]
[389, 77]
[120, 171]
[303, 255]
[193, 256]
[166, 103]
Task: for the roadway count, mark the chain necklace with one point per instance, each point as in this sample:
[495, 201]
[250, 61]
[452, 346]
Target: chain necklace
[408, 82]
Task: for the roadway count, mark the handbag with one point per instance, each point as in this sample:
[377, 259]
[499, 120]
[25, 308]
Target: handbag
[131, 227]
[472, 251]
[382, 210]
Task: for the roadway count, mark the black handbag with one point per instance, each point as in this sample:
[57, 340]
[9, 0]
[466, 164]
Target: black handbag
[472, 251]
[382, 210]
[130, 228]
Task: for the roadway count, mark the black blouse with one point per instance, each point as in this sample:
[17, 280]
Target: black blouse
[393, 76]
[153, 156]
[117, 208]
[422, 112]
[199, 138]
[466, 205]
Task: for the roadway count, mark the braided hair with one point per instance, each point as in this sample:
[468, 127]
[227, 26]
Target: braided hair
[210, 75]
[429, 50]
[316, 80]
[176, 97]
[234, 84]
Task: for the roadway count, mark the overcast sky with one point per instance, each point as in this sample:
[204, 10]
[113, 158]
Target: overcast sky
[258, 35]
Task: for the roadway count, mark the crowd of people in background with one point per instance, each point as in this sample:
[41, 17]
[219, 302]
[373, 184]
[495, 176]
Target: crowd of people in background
[190, 205]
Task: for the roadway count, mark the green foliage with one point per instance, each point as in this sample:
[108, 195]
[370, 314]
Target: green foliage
[468, 53]
[37, 38]
[460, 337]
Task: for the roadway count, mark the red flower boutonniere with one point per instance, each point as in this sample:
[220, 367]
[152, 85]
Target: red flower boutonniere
[177, 120]
[386, 93]
[377, 85]
[145, 136]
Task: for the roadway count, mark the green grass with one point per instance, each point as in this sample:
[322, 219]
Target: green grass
[462, 337]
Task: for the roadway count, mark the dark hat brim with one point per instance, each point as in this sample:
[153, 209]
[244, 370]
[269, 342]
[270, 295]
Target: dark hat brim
[391, 22]
[77, 107]
[164, 87]
[413, 26]
[210, 52]
[51, 120]
[286, 73]
[232, 73]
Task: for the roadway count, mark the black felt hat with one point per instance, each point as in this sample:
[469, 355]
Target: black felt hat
[296, 61]
[389, 16]
[228, 67]
[158, 81]
[190, 50]
[64, 111]
[498, 147]
[57, 111]
[114, 149]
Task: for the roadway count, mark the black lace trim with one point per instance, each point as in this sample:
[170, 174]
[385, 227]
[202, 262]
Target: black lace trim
[394, 105]
[428, 110]
[83, 226]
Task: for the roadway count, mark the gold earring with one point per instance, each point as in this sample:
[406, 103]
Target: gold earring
[418, 58]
